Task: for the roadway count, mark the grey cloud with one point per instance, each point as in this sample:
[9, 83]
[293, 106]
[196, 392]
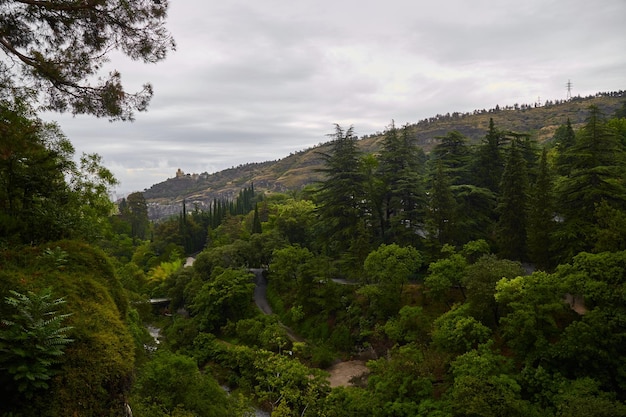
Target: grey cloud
[255, 81]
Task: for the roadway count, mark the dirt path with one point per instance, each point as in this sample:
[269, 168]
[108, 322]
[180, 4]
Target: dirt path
[341, 373]
[260, 291]
[260, 299]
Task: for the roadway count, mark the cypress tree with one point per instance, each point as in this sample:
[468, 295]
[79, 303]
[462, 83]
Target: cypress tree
[256, 222]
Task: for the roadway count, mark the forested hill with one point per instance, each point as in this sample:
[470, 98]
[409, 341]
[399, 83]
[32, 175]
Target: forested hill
[300, 168]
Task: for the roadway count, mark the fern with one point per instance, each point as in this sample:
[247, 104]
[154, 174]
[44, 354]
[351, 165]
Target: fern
[32, 339]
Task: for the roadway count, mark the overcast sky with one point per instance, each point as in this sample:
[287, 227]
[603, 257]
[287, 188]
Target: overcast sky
[253, 81]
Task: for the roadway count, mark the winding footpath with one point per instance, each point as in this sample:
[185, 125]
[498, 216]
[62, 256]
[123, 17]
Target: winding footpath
[260, 299]
[260, 291]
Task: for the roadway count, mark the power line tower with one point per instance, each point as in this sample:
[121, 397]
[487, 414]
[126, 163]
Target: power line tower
[569, 86]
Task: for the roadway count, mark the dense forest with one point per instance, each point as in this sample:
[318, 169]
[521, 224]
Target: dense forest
[478, 279]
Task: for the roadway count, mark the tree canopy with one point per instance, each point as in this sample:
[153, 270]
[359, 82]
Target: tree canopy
[54, 52]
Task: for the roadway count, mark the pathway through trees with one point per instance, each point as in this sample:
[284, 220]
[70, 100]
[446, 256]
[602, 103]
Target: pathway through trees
[341, 372]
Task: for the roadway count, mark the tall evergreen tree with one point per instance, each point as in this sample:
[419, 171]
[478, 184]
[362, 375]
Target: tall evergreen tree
[442, 207]
[512, 206]
[137, 212]
[256, 222]
[450, 174]
[541, 215]
[528, 148]
[596, 174]
[401, 171]
[489, 160]
[564, 139]
[454, 154]
[475, 213]
[375, 193]
[340, 196]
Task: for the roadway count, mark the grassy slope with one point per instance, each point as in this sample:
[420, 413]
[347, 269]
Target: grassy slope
[96, 370]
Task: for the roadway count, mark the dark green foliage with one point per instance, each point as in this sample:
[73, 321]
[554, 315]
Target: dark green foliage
[402, 381]
[95, 371]
[226, 296]
[264, 332]
[534, 311]
[475, 214]
[351, 402]
[134, 210]
[512, 206]
[390, 267]
[480, 280]
[437, 337]
[434, 359]
[256, 223]
[411, 325]
[32, 339]
[292, 271]
[222, 222]
[484, 385]
[454, 155]
[564, 140]
[442, 214]
[458, 332]
[541, 211]
[610, 235]
[583, 397]
[446, 273]
[44, 194]
[620, 113]
[403, 197]
[340, 196]
[171, 384]
[594, 345]
[596, 174]
[489, 160]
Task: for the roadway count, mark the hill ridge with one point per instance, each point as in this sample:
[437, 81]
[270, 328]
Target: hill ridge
[298, 169]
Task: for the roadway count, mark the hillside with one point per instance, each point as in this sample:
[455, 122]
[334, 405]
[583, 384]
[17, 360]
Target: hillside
[299, 169]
